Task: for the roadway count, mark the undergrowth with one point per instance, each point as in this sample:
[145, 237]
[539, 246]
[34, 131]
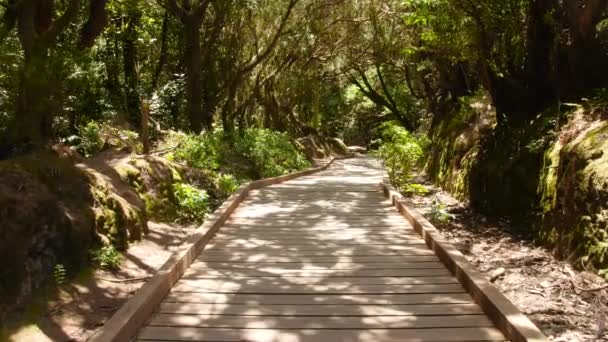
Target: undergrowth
[252, 153]
[401, 151]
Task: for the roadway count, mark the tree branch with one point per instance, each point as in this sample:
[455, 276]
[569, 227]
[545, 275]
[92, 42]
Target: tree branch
[173, 7]
[62, 23]
[260, 58]
[97, 21]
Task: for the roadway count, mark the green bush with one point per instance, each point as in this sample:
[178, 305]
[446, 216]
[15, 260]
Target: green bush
[401, 152]
[268, 153]
[59, 274]
[88, 141]
[107, 257]
[193, 203]
[199, 151]
[439, 212]
[414, 189]
[271, 153]
[227, 183]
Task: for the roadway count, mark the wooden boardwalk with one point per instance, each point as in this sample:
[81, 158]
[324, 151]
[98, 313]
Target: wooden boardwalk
[319, 258]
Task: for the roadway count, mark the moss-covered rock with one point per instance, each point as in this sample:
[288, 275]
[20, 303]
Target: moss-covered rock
[120, 213]
[153, 179]
[575, 197]
[46, 215]
[553, 181]
[338, 146]
[455, 144]
[314, 147]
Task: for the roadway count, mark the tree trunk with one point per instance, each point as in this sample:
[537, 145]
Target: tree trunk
[33, 123]
[193, 60]
[132, 97]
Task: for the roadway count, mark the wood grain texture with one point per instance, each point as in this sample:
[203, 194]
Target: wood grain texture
[123, 325]
[503, 313]
[323, 257]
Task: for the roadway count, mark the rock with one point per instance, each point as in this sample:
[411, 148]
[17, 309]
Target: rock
[314, 148]
[338, 146]
[357, 149]
[45, 210]
[497, 273]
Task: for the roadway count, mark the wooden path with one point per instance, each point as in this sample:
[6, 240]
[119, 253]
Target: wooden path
[320, 258]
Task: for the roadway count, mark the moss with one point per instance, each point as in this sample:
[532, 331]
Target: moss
[575, 218]
[46, 220]
[455, 144]
[153, 179]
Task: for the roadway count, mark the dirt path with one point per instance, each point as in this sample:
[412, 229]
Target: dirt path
[78, 309]
[550, 292]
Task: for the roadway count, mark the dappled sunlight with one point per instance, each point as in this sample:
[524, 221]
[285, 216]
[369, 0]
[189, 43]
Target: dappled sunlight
[320, 258]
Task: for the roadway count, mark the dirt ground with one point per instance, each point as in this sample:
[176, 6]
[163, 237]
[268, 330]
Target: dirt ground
[566, 304]
[77, 310]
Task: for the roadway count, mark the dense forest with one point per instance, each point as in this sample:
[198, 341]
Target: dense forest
[117, 112]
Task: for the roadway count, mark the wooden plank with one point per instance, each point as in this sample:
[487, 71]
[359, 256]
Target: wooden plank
[308, 240]
[317, 233]
[321, 253]
[324, 203]
[368, 215]
[280, 286]
[321, 259]
[371, 226]
[321, 310]
[355, 281]
[298, 272]
[503, 313]
[312, 299]
[265, 209]
[312, 335]
[212, 265]
[123, 325]
[303, 322]
[310, 245]
[323, 248]
[359, 221]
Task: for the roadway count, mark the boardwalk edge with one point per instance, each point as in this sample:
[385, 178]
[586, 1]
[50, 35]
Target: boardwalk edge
[125, 323]
[507, 317]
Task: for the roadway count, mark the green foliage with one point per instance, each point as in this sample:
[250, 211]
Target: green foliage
[193, 203]
[414, 189]
[271, 153]
[199, 151]
[227, 183]
[107, 257]
[268, 152]
[59, 274]
[88, 141]
[439, 212]
[401, 152]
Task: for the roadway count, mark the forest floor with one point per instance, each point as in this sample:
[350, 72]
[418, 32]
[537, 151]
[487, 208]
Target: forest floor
[565, 303]
[76, 310]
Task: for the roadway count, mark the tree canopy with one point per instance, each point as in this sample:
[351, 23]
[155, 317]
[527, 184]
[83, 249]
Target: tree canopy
[299, 66]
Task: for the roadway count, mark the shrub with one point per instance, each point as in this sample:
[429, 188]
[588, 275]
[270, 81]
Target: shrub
[88, 141]
[199, 151]
[107, 257]
[439, 212]
[271, 153]
[59, 274]
[401, 152]
[227, 183]
[193, 203]
[268, 153]
[414, 189]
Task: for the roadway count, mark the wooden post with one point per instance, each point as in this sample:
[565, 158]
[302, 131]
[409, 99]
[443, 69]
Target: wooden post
[145, 118]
